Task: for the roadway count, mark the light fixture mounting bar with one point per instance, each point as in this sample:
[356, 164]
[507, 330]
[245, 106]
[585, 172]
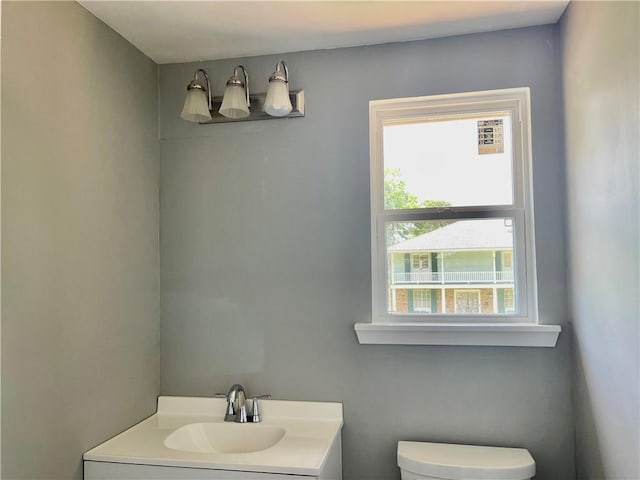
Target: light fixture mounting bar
[256, 108]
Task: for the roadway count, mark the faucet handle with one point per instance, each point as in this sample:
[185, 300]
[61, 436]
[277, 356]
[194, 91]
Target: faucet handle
[230, 414]
[241, 414]
[255, 408]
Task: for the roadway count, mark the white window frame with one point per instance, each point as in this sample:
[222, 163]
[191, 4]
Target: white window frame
[391, 327]
[513, 102]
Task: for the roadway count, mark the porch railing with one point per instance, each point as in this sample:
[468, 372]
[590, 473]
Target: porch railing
[452, 277]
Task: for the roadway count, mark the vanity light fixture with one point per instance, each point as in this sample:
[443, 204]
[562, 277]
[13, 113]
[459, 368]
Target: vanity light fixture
[238, 104]
[235, 103]
[278, 103]
[197, 104]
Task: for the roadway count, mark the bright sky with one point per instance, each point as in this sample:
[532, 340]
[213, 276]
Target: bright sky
[439, 160]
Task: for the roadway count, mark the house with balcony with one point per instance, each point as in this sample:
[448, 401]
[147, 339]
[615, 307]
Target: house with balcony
[464, 267]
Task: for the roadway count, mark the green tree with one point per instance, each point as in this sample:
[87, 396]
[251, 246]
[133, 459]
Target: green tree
[396, 196]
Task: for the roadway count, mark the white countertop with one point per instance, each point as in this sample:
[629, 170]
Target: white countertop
[311, 428]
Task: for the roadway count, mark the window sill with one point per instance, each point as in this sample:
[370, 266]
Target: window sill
[464, 334]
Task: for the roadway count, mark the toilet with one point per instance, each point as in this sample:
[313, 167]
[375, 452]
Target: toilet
[438, 461]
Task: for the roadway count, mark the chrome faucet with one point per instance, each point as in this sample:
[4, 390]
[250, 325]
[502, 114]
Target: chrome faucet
[237, 406]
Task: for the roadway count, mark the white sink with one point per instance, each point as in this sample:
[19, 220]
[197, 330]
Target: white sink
[189, 437]
[215, 437]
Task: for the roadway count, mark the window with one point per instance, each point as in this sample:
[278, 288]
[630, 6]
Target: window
[508, 300]
[467, 301]
[451, 209]
[507, 260]
[420, 262]
[452, 239]
[421, 300]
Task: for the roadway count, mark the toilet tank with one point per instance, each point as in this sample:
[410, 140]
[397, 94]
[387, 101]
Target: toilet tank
[445, 461]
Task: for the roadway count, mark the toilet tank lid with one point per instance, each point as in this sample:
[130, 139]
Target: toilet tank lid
[468, 462]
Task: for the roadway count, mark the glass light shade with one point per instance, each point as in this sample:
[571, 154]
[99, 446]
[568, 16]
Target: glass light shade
[234, 103]
[278, 103]
[196, 106]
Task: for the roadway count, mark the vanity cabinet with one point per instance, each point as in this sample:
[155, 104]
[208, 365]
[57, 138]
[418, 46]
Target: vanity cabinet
[332, 470]
[118, 471]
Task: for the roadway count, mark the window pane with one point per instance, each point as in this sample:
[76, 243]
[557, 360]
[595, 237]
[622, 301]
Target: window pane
[448, 162]
[451, 267]
[422, 300]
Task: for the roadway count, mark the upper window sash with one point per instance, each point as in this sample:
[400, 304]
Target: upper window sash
[419, 109]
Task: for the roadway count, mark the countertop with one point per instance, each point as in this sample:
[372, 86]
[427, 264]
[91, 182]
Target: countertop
[310, 430]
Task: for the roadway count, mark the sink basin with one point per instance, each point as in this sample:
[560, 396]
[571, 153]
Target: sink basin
[224, 437]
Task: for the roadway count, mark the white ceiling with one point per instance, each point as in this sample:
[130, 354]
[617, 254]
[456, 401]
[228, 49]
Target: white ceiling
[185, 31]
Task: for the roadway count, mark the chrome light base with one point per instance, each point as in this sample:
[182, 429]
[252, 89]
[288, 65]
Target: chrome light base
[256, 108]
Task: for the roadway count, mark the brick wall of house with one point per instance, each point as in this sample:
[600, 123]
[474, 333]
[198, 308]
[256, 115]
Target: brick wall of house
[450, 299]
[486, 300]
[402, 301]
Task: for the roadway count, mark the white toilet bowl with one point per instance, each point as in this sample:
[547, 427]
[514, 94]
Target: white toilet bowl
[438, 461]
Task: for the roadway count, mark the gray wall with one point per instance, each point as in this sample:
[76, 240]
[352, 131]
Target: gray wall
[600, 44]
[265, 263]
[80, 237]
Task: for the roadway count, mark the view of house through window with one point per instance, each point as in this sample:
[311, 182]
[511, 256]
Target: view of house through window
[452, 232]
[447, 266]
